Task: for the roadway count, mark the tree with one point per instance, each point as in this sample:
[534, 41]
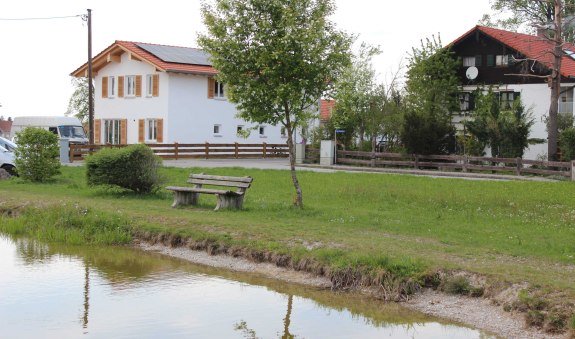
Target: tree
[37, 154]
[430, 97]
[504, 129]
[277, 57]
[78, 103]
[547, 15]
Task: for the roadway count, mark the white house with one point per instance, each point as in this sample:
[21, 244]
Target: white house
[165, 94]
[502, 59]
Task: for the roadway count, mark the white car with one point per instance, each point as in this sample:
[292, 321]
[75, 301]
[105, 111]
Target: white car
[7, 144]
[7, 161]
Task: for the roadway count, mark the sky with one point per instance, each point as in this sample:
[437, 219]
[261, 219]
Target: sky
[37, 56]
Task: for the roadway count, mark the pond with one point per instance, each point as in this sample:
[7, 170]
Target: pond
[58, 291]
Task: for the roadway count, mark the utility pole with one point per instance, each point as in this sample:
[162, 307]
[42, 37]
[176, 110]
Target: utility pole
[90, 84]
[555, 80]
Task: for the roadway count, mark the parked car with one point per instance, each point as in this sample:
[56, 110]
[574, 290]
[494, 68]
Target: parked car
[7, 144]
[64, 127]
[7, 161]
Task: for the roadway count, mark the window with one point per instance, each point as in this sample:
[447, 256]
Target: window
[219, 89]
[239, 129]
[217, 129]
[152, 134]
[468, 61]
[466, 102]
[503, 60]
[111, 87]
[283, 132]
[506, 99]
[149, 85]
[490, 60]
[262, 130]
[112, 132]
[478, 60]
[130, 85]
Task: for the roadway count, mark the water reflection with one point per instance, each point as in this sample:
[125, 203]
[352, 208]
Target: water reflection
[63, 291]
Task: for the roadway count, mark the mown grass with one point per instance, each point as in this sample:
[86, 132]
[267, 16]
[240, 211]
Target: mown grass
[407, 225]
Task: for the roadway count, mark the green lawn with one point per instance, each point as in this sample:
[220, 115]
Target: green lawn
[515, 231]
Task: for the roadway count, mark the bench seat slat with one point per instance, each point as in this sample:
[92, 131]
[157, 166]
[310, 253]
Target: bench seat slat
[202, 190]
[219, 183]
[222, 178]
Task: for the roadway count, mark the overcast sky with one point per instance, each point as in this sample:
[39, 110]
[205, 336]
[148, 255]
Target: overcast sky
[37, 56]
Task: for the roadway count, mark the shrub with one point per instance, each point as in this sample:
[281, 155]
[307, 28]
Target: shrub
[456, 285]
[134, 168]
[567, 144]
[37, 155]
[535, 318]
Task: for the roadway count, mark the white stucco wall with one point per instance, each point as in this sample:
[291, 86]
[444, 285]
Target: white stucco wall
[535, 97]
[192, 115]
[131, 108]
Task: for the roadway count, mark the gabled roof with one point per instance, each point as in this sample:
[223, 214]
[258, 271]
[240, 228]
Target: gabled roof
[164, 58]
[533, 47]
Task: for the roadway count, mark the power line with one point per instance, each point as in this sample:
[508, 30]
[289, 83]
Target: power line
[45, 18]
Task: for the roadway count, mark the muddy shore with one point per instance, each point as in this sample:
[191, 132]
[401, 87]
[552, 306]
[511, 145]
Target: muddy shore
[480, 313]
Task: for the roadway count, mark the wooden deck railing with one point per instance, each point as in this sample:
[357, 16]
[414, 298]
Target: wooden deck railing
[516, 166]
[190, 151]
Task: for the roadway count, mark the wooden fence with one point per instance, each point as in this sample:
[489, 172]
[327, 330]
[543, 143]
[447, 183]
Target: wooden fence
[190, 151]
[516, 166]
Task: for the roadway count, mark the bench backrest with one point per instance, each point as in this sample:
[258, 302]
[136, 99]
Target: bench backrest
[242, 183]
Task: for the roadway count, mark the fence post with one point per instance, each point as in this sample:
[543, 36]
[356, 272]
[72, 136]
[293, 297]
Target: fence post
[465, 162]
[416, 161]
[176, 150]
[265, 149]
[573, 170]
[207, 150]
[236, 150]
[372, 159]
[519, 165]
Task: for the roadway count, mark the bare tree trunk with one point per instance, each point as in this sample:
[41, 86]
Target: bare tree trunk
[555, 83]
[291, 146]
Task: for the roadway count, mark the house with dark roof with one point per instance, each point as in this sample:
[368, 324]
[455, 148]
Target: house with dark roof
[165, 94]
[516, 66]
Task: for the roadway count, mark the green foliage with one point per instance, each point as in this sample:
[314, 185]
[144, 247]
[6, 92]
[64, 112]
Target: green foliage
[37, 155]
[69, 224]
[470, 145]
[573, 321]
[505, 130]
[78, 103]
[430, 97]
[277, 58]
[456, 285]
[535, 318]
[134, 168]
[567, 144]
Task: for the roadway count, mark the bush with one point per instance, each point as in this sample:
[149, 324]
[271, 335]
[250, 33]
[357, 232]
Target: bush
[134, 168]
[567, 144]
[37, 155]
[456, 285]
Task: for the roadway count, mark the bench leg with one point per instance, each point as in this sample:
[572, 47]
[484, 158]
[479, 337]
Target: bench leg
[185, 198]
[229, 202]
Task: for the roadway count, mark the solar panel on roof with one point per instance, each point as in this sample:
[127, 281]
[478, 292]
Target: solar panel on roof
[180, 55]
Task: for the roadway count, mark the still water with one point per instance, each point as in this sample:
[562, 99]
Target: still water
[57, 291]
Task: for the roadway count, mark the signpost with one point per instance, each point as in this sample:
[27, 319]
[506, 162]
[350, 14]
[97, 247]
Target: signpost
[337, 131]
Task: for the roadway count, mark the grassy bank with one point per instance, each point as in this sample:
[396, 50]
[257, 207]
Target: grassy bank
[355, 224]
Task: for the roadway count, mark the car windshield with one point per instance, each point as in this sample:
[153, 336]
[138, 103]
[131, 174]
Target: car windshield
[7, 144]
[71, 132]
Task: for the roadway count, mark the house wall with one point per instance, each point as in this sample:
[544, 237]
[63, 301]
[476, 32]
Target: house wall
[535, 97]
[192, 115]
[131, 108]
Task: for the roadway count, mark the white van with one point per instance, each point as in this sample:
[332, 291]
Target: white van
[65, 127]
[7, 161]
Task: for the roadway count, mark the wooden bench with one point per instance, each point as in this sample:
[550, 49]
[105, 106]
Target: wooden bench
[226, 198]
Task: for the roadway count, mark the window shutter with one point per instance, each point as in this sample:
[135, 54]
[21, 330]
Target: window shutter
[97, 131]
[138, 85]
[124, 131]
[156, 85]
[160, 131]
[121, 87]
[141, 130]
[490, 60]
[211, 85]
[104, 87]
[478, 60]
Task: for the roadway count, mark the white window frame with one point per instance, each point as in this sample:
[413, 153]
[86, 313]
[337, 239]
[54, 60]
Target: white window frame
[152, 130]
[130, 85]
[217, 127]
[219, 90]
[111, 87]
[502, 60]
[112, 131]
[262, 131]
[149, 85]
[469, 61]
